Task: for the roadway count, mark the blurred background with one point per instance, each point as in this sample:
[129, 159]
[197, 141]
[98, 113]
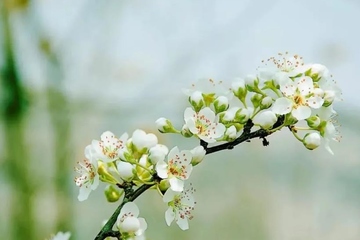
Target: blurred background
[71, 70]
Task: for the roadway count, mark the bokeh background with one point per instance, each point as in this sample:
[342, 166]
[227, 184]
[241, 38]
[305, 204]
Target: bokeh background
[73, 69]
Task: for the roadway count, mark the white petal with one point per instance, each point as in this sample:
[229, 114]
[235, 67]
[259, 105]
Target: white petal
[305, 85]
[288, 89]
[169, 195]
[301, 113]
[106, 135]
[219, 130]
[207, 139]
[169, 216]
[130, 224]
[183, 223]
[88, 152]
[143, 226]
[282, 106]
[176, 184]
[189, 113]
[84, 193]
[327, 146]
[282, 79]
[208, 114]
[173, 152]
[158, 153]
[188, 169]
[125, 169]
[161, 169]
[95, 183]
[191, 125]
[129, 207]
[150, 140]
[315, 102]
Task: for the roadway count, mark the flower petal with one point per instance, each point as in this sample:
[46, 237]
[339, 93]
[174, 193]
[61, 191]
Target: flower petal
[169, 216]
[282, 106]
[301, 113]
[161, 169]
[176, 184]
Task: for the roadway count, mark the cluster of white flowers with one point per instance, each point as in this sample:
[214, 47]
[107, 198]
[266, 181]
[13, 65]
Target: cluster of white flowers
[284, 92]
[301, 94]
[135, 161]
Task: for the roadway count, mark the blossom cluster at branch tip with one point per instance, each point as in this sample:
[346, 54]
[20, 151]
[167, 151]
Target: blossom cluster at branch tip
[283, 86]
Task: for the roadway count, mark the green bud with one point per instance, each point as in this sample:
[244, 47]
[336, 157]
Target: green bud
[242, 115]
[165, 126]
[313, 122]
[239, 89]
[266, 102]
[290, 120]
[113, 194]
[104, 174]
[221, 104]
[163, 185]
[186, 132]
[256, 100]
[197, 101]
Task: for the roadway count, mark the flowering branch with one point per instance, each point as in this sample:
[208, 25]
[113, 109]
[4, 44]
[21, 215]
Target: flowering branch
[245, 136]
[107, 231]
[284, 93]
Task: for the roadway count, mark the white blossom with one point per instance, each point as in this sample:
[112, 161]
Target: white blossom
[108, 147]
[181, 204]
[203, 124]
[129, 222]
[89, 178]
[177, 168]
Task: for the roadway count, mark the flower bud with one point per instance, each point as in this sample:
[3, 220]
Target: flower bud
[312, 140]
[112, 194]
[256, 100]
[165, 126]
[242, 115]
[230, 133]
[230, 114]
[198, 154]
[318, 92]
[142, 140]
[329, 97]
[125, 170]
[185, 131]
[104, 174]
[251, 81]
[163, 185]
[197, 101]
[265, 119]
[266, 102]
[239, 89]
[316, 72]
[313, 122]
[221, 104]
[158, 153]
[290, 120]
